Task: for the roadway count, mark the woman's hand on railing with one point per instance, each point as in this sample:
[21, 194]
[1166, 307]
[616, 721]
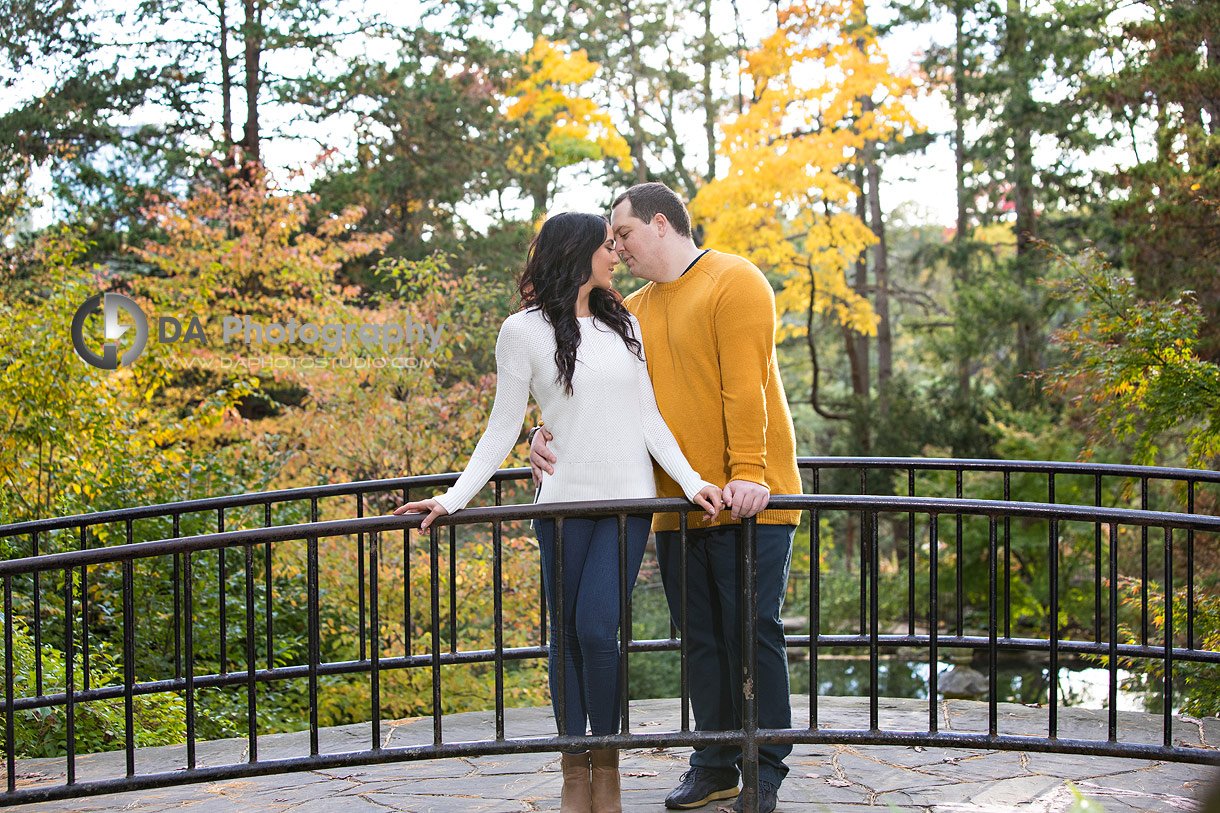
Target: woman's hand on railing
[710, 500]
[433, 508]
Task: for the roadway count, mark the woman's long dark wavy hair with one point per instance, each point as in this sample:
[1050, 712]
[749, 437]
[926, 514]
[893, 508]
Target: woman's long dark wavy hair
[560, 260]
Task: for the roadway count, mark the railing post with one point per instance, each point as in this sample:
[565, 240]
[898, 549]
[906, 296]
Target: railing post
[749, 666]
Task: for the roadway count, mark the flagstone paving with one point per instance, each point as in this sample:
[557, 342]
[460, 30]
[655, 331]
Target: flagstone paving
[834, 779]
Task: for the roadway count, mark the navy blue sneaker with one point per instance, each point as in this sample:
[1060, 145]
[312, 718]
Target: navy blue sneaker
[697, 787]
[767, 798]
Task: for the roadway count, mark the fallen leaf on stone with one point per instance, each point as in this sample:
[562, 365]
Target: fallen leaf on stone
[919, 748]
[639, 773]
[838, 783]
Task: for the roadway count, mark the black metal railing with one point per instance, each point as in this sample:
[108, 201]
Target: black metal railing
[984, 535]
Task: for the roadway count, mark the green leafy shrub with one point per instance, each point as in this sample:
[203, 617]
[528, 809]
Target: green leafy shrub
[159, 719]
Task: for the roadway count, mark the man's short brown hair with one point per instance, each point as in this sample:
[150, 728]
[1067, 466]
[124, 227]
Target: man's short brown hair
[649, 199]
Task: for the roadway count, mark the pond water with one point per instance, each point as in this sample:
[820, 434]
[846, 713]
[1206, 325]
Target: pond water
[1019, 680]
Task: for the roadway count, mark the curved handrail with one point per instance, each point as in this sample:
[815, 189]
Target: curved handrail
[521, 473]
[507, 513]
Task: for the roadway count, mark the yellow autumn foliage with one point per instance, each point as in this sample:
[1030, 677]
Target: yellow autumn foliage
[787, 201]
[549, 97]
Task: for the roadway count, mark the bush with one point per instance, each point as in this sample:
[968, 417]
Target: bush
[159, 719]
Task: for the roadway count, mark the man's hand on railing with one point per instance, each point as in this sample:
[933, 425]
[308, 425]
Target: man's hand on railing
[542, 459]
[431, 506]
[745, 498]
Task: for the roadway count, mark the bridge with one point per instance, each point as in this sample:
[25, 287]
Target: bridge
[932, 574]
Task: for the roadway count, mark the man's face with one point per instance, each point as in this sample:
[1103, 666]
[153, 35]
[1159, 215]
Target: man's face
[637, 242]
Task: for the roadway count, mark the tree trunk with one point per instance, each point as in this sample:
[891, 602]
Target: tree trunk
[857, 343]
[1029, 340]
[226, 84]
[252, 30]
[960, 260]
[881, 274]
[709, 104]
[633, 116]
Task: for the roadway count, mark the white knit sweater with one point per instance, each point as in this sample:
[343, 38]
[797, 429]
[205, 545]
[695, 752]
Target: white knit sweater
[603, 433]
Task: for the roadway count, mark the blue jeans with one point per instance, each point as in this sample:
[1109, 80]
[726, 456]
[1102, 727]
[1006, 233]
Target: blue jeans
[713, 593]
[591, 615]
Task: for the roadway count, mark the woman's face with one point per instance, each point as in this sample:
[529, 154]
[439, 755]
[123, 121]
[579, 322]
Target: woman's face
[604, 260]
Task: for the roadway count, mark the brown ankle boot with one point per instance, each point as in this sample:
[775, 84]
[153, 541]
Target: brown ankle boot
[607, 795]
[576, 794]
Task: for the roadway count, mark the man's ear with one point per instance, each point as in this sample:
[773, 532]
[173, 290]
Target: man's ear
[660, 223]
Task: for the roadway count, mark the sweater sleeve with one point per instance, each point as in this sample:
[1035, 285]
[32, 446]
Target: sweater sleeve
[504, 424]
[744, 323]
[659, 439]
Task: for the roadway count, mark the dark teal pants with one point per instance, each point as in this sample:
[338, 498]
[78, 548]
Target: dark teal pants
[713, 633]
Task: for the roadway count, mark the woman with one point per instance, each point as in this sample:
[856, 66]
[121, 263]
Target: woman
[575, 347]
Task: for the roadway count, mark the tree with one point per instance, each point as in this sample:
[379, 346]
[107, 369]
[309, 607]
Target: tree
[1135, 370]
[119, 101]
[560, 127]
[785, 201]
[1169, 81]
[655, 70]
[243, 239]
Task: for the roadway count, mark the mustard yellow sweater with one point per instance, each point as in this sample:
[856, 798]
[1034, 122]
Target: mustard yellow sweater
[709, 338]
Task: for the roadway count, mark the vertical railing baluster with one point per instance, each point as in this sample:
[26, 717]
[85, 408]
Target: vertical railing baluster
[497, 575]
[1190, 568]
[1097, 563]
[188, 617]
[315, 646]
[37, 621]
[177, 605]
[84, 612]
[1112, 661]
[911, 556]
[434, 591]
[1167, 681]
[129, 666]
[1053, 672]
[10, 675]
[874, 683]
[220, 593]
[864, 551]
[684, 645]
[360, 578]
[933, 619]
[560, 626]
[1007, 559]
[749, 651]
[375, 639]
[624, 627]
[408, 623]
[453, 599]
[268, 608]
[69, 678]
[815, 610]
[815, 601]
[251, 662]
[960, 597]
[1144, 565]
[992, 624]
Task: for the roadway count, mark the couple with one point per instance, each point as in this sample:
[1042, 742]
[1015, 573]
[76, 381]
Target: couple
[693, 352]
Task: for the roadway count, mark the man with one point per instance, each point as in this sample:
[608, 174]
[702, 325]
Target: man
[708, 322]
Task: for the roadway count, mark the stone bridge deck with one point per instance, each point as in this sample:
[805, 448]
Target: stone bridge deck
[823, 778]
